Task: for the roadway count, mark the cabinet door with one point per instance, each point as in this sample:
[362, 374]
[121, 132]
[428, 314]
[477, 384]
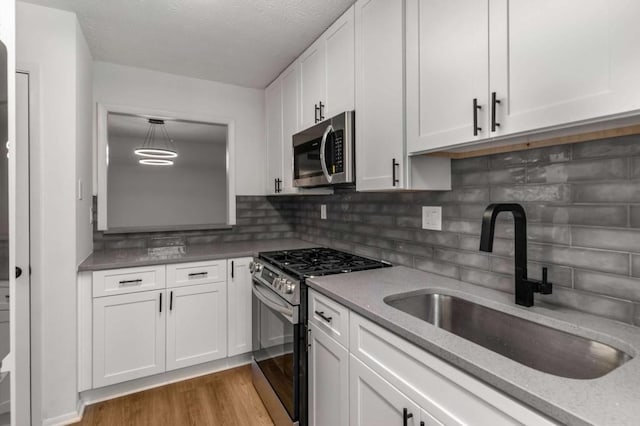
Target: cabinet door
[128, 337]
[196, 324]
[312, 82]
[373, 401]
[239, 306]
[290, 122]
[273, 105]
[339, 55]
[328, 380]
[379, 94]
[584, 64]
[447, 68]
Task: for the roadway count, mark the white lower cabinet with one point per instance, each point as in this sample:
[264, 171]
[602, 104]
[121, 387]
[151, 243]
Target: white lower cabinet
[196, 324]
[128, 337]
[328, 380]
[373, 401]
[240, 314]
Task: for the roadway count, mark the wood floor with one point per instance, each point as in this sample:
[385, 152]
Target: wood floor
[227, 398]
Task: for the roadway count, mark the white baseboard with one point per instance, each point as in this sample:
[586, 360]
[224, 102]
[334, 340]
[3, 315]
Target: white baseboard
[66, 419]
[93, 396]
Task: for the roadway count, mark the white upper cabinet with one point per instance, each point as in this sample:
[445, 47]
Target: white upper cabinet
[447, 72]
[273, 105]
[327, 73]
[312, 83]
[531, 66]
[558, 62]
[339, 63]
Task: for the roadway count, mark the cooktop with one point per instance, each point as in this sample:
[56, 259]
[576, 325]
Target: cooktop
[319, 261]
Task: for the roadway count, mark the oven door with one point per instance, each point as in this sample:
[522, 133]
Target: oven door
[276, 352]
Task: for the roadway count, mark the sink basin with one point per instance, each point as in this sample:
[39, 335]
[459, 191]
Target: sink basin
[537, 346]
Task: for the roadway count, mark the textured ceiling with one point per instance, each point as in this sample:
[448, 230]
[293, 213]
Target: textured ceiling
[243, 42]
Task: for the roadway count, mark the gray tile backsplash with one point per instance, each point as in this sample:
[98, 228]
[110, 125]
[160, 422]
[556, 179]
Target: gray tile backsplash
[582, 203]
[583, 207]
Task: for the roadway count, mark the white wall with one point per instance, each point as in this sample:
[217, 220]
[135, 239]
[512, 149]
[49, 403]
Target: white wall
[50, 41]
[135, 87]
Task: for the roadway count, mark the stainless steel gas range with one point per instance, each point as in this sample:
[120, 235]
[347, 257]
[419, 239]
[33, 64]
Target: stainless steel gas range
[280, 325]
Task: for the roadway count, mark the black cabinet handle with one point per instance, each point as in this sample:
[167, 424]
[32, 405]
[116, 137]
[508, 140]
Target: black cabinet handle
[171, 301]
[476, 107]
[232, 269]
[321, 315]
[494, 102]
[125, 282]
[394, 178]
[278, 185]
[316, 113]
[421, 423]
[18, 271]
[198, 274]
[321, 111]
[406, 415]
[160, 303]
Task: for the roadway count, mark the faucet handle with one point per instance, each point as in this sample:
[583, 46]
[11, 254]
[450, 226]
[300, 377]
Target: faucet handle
[545, 286]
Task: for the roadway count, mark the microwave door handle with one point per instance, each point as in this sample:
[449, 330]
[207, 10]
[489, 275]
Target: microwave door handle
[323, 160]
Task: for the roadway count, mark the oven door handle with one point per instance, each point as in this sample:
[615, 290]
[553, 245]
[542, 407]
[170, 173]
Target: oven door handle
[273, 304]
[323, 160]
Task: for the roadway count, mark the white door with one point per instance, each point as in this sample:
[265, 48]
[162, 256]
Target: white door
[379, 94]
[239, 312]
[273, 105]
[375, 402]
[556, 62]
[290, 122]
[328, 380]
[339, 66]
[128, 336]
[196, 324]
[447, 72]
[312, 84]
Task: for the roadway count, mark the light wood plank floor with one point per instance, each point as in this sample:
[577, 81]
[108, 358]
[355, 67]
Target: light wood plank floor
[226, 398]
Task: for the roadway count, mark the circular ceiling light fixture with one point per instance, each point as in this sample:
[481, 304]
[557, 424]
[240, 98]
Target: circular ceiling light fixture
[160, 147]
[155, 162]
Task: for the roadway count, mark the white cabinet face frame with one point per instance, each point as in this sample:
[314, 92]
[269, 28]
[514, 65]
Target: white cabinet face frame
[273, 123]
[196, 324]
[239, 306]
[312, 82]
[102, 154]
[339, 65]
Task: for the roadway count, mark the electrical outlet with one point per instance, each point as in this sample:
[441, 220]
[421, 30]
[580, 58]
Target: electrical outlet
[432, 218]
[323, 211]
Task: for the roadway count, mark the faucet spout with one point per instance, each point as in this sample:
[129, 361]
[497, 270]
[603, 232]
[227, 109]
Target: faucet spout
[524, 287]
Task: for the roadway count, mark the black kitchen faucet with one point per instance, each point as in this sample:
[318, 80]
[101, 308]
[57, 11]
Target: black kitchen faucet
[525, 287]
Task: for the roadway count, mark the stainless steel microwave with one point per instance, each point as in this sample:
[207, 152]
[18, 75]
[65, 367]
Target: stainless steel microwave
[324, 154]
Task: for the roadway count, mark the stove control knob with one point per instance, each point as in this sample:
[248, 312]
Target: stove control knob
[258, 267]
[289, 287]
[277, 283]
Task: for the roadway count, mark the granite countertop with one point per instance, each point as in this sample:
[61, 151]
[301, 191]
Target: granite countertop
[127, 258]
[613, 399]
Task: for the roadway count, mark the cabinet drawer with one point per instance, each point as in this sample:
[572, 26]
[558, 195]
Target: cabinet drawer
[331, 317]
[128, 280]
[438, 387]
[181, 274]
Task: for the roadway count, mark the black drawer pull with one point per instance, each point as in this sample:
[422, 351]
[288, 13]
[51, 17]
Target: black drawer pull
[198, 274]
[171, 301]
[494, 103]
[160, 303]
[476, 107]
[321, 111]
[406, 415]
[321, 315]
[125, 282]
[317, 113]
[394, 178]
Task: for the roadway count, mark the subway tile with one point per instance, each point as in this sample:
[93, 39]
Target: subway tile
[512, 175]
[610, 239]
[579, 171]
[635, 216]
[598, 260]
[624, 146]
[607, 192]
[635, 167]
[635, 262]
[610, 285]
[462, 195]
[474, 211]
[487, 279]
[501, 246]
[462, 226]
[414, 249]
[531, 193]
[470, 179]
[437, 267]
[558, 275]
[608, 307]
[475, 260]
[396, 258]
[552, 154]
[636, 314]
[366, 251]
[436, 238]
[539, 233]
[595, 215]
[409, 221]
[470, 164]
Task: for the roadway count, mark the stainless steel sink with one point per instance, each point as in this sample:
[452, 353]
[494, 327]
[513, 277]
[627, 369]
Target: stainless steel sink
[534, 345]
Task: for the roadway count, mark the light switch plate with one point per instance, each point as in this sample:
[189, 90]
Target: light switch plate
[323, 211]
[432, 218]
